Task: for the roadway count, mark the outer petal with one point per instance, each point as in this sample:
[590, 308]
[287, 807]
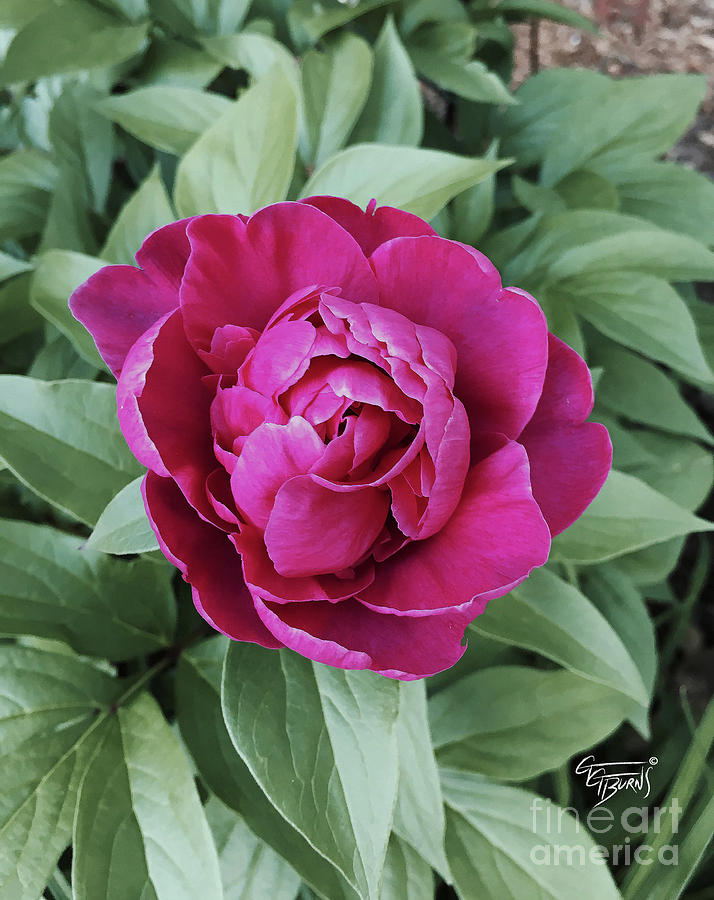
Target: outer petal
[118, 303]
[373, 227]
[350, 636]
[240, 273]
[175, 408]
[491, 543]
[207, 560]
[500, 335]
[569, 458]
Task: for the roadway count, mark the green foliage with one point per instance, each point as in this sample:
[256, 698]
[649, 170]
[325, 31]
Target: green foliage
[119, 116]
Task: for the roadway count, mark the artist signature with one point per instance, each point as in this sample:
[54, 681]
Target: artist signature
[612, 777]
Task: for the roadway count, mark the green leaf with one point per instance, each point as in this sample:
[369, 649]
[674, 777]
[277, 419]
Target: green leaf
[11, 265]
[309, 20]
[83, 139]
[68, 38]
[57, 274]
[53, 588]
[62, 439]
[69, 224]
[473, 208]
[641, 392]
[256, 53]
[417, 180]
[26, 179]
[246, 159]
[536, 198]
[626, 515]
[17, 317]
[393, 112]
[546, 9]
[506, 842]
[332, 731]
[643, 312]
[198, 683]
[48, 717]
[669, 195]
[170, 61]
[250, 870]
[622, 605]
[140, 829]
[58, 359]
[123, 526]
[146, 210]
[548, 616]
[165, 116]
[407, 876]
[587, 190]
[419, 813]
[335, 85]
[513, 722]
[637, 116]
[470, 80]
[678, 468]
[668, 255]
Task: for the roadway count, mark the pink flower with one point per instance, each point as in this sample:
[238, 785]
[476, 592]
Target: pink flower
[355, 436]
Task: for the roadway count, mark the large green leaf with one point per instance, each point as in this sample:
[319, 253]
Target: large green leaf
[202, 727]
[419, 814]
[335, 84]
[470, 80]
[140, 830]
[68, 38]
[640, 391]
[420, 181]
[48, 729]
[83, 139]
[671, 196]
[393, 112]
[57, 274]
[321, 742]
[62, 439]
[51, 587]
[513, 722]
[676, 467]
[626, 515]
[250, 870]
[123, 527]
[643, 116]
[246, 159]
[506, 842]
[165, 116]
[26, 179]
[256, 53]
[553, 618]
[407, 876]
[642, 312]
[146, 210]
[309, 20]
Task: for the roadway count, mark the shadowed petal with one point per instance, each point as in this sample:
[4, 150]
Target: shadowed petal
[207, 560]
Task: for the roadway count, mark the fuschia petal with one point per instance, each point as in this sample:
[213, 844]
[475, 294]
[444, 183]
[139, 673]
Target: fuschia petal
[207, 560]
[350, 636]
[175, 407]
[118, 303]
[491, 543]
[569, 459]
[240, 273]
[500, 335]
[262, 579]
[314, 530]
[569, 465]
[129, 388]
[272, 455]
[374, 227]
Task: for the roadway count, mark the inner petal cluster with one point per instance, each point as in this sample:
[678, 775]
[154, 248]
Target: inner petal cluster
[329, 427]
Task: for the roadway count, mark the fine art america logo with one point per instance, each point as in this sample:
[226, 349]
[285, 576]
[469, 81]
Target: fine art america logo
[631, 828]
[610, 778]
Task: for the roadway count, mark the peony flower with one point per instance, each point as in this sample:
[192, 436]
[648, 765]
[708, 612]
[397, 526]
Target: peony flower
[355, 436]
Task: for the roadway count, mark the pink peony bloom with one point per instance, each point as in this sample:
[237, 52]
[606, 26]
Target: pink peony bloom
[355, 436]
